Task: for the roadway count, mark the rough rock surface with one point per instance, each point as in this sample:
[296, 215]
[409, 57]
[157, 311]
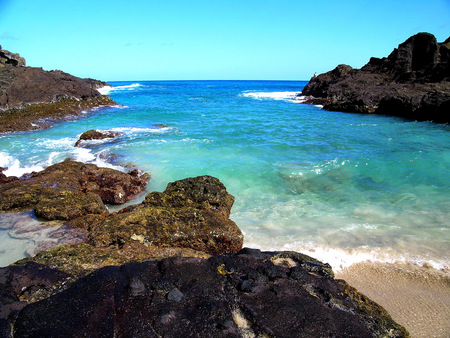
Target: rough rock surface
[191, 213]
[23, 87]
[95, 135]
[248, 294]
[412, 82]
[70, 189]
[8, 58]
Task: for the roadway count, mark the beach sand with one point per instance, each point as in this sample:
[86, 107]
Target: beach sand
[416, 297]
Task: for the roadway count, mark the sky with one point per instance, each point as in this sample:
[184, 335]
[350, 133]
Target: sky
[133, 40]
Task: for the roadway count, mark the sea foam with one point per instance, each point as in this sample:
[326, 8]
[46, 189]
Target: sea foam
[107, 89]
[14, 167]
[285, 96]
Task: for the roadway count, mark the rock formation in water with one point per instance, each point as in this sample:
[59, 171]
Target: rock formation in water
[412, 82]
[29, 94]
[95, 135]
[70, 189]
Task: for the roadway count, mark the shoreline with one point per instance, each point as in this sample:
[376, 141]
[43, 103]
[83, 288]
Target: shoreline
[43, 115]
[416, 297]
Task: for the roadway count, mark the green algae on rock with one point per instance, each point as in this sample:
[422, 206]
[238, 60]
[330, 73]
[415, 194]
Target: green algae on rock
[71, 189]
[44, 115]
[81, 259]
[190, 213]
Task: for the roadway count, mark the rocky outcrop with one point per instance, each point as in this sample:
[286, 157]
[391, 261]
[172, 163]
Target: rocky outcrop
[191, 213]
[95, 135]
[70, 189]
[8, 58]
[23, 87]
[248, 294]
[412, 82]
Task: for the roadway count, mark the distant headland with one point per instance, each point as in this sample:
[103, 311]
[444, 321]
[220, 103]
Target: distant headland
[32, 98]
[412, 82]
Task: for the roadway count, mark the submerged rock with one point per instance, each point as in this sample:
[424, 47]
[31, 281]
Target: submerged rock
[70, 189]
[412, 82]
[250, 294]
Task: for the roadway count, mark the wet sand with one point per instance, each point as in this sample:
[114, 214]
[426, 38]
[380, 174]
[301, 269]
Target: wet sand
[416, 297]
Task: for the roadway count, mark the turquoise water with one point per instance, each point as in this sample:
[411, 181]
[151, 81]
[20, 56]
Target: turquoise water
[341, 187]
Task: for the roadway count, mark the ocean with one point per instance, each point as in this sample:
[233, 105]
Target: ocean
[341, 187]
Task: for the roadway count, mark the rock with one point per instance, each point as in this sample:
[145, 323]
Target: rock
[203, 192]
[81, 259]
[8, 58]
[190, 213]
[29, 94]
[96, 135]
[213, 297]
[412, 82]
[70, 189]
[23, 284]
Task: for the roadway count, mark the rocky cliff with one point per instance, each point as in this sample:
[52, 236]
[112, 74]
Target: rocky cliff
[29, 94]
[412, 82]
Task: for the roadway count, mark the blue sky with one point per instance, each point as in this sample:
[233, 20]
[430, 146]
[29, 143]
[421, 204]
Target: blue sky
[208, 39]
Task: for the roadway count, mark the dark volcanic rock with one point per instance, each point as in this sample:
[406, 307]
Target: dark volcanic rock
[412, 82]
[23, 284]
[234, 295]
[71, 189]
[96, 135]
[56, 93]
[8, 58]
[190, 213]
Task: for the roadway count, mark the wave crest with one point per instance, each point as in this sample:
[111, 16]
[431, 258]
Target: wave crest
[107, 89]
[283, 96]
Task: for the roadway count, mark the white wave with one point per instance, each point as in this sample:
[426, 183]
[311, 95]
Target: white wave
[340, 259]
[107, 89]
[127, 130]
[14, 166]
[83, 155]
[61, 143]
[86, 156]
[301, 99]
[285, 96]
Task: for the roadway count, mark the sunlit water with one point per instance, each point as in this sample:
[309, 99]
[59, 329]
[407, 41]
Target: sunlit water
[340, 187]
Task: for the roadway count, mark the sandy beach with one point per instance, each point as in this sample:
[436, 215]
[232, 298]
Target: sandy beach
[416, 297]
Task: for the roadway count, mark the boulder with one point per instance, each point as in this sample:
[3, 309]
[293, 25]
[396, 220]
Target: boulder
[70, 189]
[248, 294]
[95, 135]
[412, 82]
[191, 213]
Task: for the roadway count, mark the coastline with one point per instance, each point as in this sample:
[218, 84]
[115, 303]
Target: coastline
[416, 297]
[43, 115]
[358, 279]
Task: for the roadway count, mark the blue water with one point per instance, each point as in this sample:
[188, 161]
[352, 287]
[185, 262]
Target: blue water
[341, 187]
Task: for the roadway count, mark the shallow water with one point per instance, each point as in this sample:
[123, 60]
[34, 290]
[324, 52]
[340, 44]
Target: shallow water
[341, 187]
